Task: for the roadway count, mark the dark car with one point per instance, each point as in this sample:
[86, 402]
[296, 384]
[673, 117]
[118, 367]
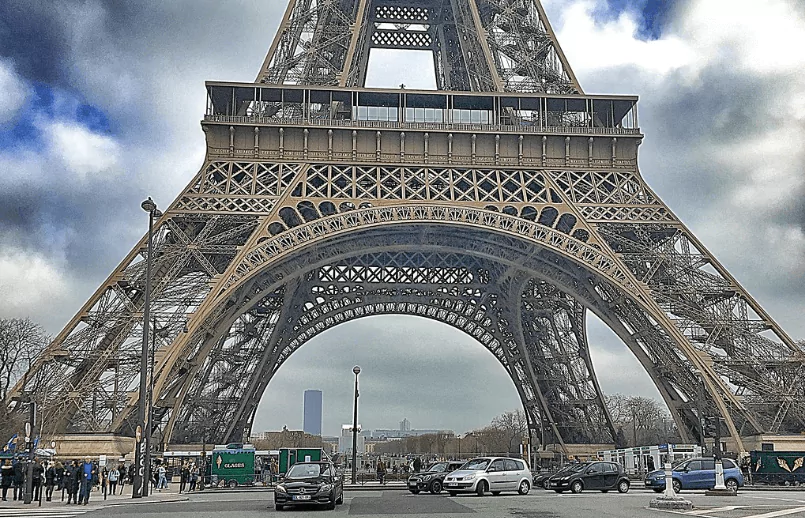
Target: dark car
[433, 478]
[542, 478]
[309, 484]
[602, 476]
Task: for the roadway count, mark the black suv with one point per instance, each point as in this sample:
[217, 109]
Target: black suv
[433, 479]
[591, 475]
[309, 484]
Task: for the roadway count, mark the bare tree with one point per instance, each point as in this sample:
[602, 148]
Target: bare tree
[21, 341]
[513, 427]
[640, 420]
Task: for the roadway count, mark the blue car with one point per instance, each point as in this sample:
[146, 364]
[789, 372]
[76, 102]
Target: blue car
[699, 473]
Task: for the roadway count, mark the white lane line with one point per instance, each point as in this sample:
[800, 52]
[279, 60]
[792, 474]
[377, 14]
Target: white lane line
[777, 499]
[703, 512]
[774, 514]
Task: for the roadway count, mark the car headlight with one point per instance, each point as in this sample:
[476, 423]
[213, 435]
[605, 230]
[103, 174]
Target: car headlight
[326, 487]
[470, 477]
[280, 488]
[426, 478]
[564, 479]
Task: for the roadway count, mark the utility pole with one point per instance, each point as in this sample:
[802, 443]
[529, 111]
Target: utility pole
[30, 428]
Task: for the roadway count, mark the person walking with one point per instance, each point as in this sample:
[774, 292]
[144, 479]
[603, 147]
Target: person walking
[7, 472]
[381, 471]
[59, 469]
[71, 481]
[162, 482]
[38, 474]
[193, 476]
[19, 480]
[113, 476]
[50, 481]
[87, 473]
[184, 477]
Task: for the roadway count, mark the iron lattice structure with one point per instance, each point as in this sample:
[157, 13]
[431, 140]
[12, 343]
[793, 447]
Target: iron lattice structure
[507, 205]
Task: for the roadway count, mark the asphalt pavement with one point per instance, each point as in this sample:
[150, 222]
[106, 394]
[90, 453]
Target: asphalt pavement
[394, 502]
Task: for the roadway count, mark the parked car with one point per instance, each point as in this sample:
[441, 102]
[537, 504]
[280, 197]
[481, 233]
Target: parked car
[494, 474]
[698, 473]
[542, 478]
[433, 478]
[309, 484]
[603, 476]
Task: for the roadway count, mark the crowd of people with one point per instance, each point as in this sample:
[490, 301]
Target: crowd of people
[76, 480]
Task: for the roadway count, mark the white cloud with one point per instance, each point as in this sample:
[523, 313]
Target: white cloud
[28, 283]
[82, 151]
[14, 92]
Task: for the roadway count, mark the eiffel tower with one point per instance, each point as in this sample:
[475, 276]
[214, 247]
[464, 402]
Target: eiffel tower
[506, 204]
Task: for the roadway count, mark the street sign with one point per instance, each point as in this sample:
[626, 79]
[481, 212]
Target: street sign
[27, 430]
[102, 460]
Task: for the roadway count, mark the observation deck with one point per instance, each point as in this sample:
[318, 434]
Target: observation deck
[290, 122]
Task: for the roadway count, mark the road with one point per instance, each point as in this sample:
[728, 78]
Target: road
[397, 503]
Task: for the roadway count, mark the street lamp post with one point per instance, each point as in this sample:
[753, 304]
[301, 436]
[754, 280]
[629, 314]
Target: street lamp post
[357, 370]
[142, 453]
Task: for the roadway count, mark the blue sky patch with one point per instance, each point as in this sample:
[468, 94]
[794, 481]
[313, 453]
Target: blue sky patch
[652, 15]
[53, 104]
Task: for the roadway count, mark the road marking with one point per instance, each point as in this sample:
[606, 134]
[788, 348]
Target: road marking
[773, 514]
[703, 512]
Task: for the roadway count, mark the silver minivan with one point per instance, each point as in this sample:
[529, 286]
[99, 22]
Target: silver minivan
[489, 474]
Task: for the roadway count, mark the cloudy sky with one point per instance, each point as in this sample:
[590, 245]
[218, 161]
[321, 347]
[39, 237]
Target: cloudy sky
[100, 107]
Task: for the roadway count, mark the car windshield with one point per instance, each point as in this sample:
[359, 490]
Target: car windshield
[439, 467]
[476, 464]
[304, 471]
[566, 467]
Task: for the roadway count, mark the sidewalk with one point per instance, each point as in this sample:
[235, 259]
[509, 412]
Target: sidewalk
[96, 500]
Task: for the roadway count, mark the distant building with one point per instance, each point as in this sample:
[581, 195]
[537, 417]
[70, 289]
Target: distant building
[400, 434]
[345, 440]
[405, 425]
[312, 412]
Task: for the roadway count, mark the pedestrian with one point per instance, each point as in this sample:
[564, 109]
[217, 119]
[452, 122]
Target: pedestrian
[130, 478]
[71, 481]
[50, 481]
[87, 473]
[19, 480]
[114, 475]
[417, 464]
[7, 472]
[184, 477]
[193, 476]
[162, 482]
[59, 469]
[36, 478]
[381, 471]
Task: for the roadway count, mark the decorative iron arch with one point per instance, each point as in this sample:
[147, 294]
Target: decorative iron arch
[604, 281]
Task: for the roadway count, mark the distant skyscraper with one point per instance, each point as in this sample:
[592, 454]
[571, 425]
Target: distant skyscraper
[312, 419]
[405, 425]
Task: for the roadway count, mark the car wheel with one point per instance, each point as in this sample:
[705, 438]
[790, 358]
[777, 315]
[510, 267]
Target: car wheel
[658, 490]
[546, 484]
[278, 507]
[677, 485]
[481, 488]
[524, 488]
[577, 487]
[340, 499]
[623, 486]
[732, 485]
[436, 487]
[233, 484]
[414, 491]
[452, 493]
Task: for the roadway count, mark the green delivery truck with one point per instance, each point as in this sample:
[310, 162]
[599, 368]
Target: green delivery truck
[778, 467]
[232, 465]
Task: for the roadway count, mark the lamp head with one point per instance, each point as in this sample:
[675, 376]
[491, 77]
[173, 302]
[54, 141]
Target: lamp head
[356, 369]
[149, 205]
